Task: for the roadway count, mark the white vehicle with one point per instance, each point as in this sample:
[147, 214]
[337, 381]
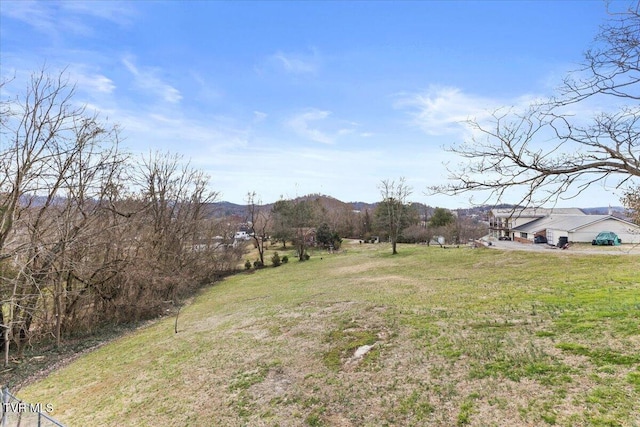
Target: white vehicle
[241, 235]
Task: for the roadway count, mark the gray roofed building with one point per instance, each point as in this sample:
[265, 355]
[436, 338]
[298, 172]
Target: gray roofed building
[502, 221]
[575, 228]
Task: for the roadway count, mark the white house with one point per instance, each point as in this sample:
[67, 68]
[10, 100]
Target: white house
[571, 225]
[502, 221]
[576, 228]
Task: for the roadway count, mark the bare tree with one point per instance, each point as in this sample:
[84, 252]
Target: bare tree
[392, 212]
[57, 162]
[552, 153]
[86, 234]
[174, 196]
[303, 214]
[34, 128]
[631, 201]
[260, 223]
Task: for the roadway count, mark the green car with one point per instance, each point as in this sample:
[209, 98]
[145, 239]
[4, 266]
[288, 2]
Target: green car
[606, 238]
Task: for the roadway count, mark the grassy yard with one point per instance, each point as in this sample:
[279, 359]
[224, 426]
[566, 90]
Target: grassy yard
[474, 337]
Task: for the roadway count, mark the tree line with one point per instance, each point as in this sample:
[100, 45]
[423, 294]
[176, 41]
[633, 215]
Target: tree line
[398, 220]
[90, 234]
[308, 221]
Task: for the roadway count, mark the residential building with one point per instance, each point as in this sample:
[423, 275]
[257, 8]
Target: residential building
[556, 225]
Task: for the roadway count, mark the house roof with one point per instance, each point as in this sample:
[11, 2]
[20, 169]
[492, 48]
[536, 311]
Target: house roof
[569, 223]
[535, 212]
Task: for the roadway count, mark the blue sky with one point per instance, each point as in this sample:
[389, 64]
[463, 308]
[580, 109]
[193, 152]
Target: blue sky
[291, 98]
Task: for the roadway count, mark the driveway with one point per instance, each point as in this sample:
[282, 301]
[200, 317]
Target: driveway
[624, 249]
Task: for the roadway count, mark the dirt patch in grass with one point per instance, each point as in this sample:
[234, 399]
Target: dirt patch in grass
[362, 268]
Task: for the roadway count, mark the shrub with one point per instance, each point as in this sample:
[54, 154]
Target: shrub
[247, 265]
[275, 259]
[257, 264]
[306, 256]
[337, 242]
[285, 259]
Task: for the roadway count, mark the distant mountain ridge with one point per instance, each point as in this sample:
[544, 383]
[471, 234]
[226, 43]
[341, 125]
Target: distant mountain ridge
[224, 209]
[604, 210]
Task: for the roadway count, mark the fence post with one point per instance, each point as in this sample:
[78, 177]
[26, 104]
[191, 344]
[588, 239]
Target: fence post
[5, 401]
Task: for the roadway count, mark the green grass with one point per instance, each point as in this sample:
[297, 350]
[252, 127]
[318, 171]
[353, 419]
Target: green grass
[344, 341]
[460, 337]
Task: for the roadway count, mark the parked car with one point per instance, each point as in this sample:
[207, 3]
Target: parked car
[539, 239]
[606, 238]
[504, 238]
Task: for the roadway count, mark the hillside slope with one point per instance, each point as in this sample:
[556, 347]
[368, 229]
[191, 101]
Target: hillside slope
[428, 337]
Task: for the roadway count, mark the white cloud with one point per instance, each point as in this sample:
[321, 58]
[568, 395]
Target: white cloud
[192, 137]
[345, 132]
[38, 15]
[59, 18]
[296, 63]
[301, 125]
[320, 126]
[206, 90]
[259, 116]
[91, 82]
[118, 12]
[444, 110]
[147, 80]
[447, 111]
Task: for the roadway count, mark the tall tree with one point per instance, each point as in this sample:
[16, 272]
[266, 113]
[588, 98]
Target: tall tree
[303, 214]
[441, 217]
[549, 152]
[281, 229]
[293, 220]
[366, 225]
[260, 223]
[328, 237]
[393, 211]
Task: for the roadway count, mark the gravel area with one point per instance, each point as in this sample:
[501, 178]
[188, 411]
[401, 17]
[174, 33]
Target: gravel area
[582, 248]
